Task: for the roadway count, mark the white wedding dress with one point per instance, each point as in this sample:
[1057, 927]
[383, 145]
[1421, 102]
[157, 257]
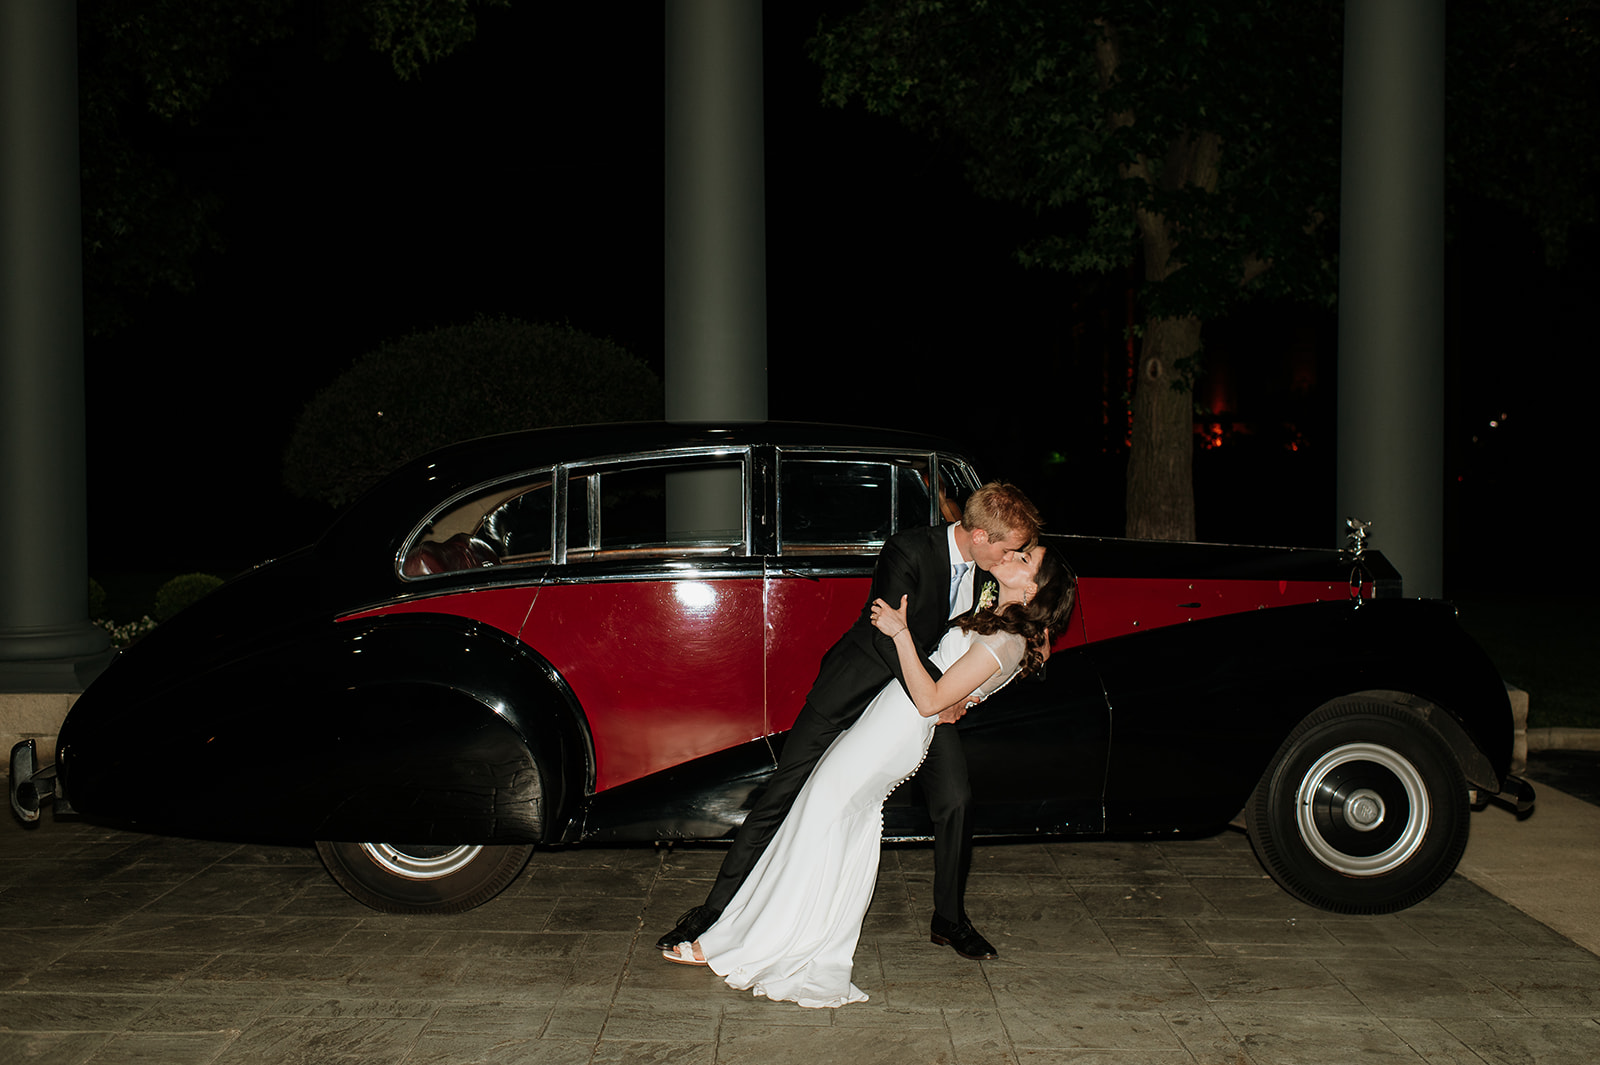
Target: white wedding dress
[790, 932]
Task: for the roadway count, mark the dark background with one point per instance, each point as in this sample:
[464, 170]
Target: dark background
[524, 176]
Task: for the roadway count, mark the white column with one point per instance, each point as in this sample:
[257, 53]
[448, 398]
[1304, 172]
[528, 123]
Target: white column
[716, 245]
[46, 640]
[1391, 285]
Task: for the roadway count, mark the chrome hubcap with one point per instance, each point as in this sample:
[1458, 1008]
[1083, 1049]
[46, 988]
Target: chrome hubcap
[1362, 809]
[420, 861]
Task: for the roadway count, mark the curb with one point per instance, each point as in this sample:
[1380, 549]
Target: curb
[1564, 739]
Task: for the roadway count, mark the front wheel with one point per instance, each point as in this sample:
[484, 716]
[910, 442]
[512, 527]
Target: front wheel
[423, 878]
[1363, 810]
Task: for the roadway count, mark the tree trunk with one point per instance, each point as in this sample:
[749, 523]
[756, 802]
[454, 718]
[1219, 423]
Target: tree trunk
[1160, 498]
[1160, 495]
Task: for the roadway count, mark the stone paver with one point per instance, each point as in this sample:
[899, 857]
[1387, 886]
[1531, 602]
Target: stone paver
[125, 948]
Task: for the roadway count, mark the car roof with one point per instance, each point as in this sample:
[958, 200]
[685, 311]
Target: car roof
[570, 443]
[493, 456]
[402, 496]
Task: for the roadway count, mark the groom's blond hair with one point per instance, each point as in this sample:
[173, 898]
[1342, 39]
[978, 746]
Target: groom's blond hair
[1000, 509]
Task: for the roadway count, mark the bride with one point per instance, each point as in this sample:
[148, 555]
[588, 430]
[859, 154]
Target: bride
[790, 933]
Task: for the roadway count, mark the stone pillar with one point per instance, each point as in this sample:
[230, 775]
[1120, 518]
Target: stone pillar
[716, 245]
[46, 641]
[1391, 285]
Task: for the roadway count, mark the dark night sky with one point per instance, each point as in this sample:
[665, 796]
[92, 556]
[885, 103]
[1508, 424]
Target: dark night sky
[523, 176]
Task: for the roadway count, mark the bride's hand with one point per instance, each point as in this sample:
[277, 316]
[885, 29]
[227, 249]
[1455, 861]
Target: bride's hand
[888, 620]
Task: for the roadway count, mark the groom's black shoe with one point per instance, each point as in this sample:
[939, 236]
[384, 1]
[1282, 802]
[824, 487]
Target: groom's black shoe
[690, 925]
[966, 940]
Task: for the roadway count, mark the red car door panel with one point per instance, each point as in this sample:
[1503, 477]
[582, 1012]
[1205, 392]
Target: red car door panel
[665, 670]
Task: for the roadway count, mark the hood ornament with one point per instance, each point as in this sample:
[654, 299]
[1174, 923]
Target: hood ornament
[1357, 546]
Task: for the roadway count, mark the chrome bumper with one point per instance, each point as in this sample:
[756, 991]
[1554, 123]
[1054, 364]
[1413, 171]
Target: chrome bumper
[1517, 793]
[31, 786]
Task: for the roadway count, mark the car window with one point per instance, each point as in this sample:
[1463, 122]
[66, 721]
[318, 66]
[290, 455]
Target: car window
[956, 483]
[912, 506]
[508, 523]
[849, 503]
[657, 508]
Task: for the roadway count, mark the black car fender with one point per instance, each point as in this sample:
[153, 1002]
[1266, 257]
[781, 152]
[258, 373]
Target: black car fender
[445, 674]
[1198, 710]
[413, 727]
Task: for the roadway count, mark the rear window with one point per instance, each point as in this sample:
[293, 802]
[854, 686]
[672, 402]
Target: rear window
[854, 503]
[511, 523]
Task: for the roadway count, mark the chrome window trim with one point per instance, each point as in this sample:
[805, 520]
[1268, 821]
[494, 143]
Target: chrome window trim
[879, 456]
[559, 474]
[836, 567]
[740, 567]
[669, 456]
[558, 545]
[452, 501]
[974, 482]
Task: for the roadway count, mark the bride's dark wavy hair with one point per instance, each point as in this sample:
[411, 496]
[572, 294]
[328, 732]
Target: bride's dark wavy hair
[1048, 609]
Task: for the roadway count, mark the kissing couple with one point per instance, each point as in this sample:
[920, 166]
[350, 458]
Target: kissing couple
[784, 915]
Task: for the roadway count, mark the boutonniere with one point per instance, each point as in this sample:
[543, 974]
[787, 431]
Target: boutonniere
[986, 597]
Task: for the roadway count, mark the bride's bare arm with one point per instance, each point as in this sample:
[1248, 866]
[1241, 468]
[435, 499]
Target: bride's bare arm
[928, 695]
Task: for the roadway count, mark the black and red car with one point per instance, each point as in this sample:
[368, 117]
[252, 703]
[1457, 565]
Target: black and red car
[602, 634]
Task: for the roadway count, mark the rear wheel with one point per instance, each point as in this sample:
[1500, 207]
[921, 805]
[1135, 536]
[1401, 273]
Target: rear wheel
[1363, 810]
[423, 878]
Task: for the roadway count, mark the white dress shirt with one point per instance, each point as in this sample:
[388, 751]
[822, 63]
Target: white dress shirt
[964, 596]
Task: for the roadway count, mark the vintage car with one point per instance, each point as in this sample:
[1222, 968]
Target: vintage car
[601, 634]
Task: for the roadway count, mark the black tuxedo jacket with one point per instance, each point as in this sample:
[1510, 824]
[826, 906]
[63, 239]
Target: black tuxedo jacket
[914, 563]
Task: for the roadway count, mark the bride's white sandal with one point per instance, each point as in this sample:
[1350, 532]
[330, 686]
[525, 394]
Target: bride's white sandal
[684, 954]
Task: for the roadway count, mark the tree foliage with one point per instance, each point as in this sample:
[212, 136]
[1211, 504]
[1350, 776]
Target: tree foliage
[149, 67]
[1523, 121]
[1117, 109]
[1198, 141]
[430, 389]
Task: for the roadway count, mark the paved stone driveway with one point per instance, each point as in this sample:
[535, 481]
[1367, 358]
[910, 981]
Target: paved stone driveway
[122, 948]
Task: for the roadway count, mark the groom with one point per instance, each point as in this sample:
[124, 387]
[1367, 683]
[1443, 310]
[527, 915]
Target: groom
[938, 567]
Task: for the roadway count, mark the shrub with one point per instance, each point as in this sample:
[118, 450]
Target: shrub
[126, 635]
[180, 591]
[97, 599]
[430, 389]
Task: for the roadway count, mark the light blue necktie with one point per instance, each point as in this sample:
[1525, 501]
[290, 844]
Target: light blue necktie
[957, 571]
